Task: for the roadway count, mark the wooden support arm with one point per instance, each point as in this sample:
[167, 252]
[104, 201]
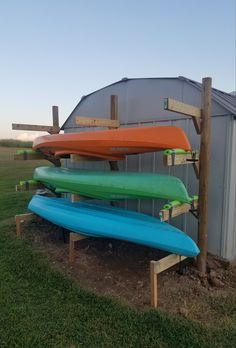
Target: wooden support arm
[167, 214]
[175, 210]
[173, 158]
[79, 158]
[28, 156]
[185, 109]
[54, 129]
[29, 185]
[34, 127]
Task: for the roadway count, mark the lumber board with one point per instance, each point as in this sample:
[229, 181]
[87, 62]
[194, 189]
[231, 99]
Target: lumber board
[182, 108]
[204, 173]
[167, 262]
[55, 117]
[21, 218]
[196, 168]
[25, 156]
[79, 158]
[153, 285]
[180, 159]
[74, 237]
[96, 122]
[75, 198]
[114, 116]
[166, 215]
[114, 107]
[30, 187]
[34, 127]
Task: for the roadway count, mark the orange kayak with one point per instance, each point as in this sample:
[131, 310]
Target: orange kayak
[113, 144]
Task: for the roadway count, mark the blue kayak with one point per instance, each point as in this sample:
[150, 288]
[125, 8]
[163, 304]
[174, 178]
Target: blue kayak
[106, 221]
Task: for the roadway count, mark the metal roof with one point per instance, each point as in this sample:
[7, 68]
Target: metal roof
[226, 100]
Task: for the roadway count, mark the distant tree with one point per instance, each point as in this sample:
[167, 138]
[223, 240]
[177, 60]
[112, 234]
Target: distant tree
[15, 143]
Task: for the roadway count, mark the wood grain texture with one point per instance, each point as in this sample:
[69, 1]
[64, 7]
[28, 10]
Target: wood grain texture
[204, 174]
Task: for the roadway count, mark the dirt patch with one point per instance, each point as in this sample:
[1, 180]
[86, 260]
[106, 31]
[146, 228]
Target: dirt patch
[121, 270]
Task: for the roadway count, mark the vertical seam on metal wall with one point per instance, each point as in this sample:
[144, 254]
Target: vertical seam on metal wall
[226, 191]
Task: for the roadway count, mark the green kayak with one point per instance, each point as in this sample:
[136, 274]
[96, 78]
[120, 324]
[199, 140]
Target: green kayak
[112, 185]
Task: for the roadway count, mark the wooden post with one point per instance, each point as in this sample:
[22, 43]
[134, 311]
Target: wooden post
[55, 116]
[41, 128]
[74, 237]
[75, 198]
[71, 249]
[114, 116]
[157, 267]
[204, 173]
[153, 283]
[114, 107]
[21, 218]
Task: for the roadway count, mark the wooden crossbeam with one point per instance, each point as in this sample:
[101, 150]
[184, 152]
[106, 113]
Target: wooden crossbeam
[182, 108]
[54, 129]
[79, 158]
[34, 127]
[175, 159]
[96, 122]
[166, 262]
[167, 214]
[25, 187]
[156, 267]
[28, 156]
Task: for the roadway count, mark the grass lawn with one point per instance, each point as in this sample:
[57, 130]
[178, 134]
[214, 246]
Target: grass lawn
[39, 307]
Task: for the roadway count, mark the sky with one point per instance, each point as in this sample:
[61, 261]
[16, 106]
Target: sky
[55, 51]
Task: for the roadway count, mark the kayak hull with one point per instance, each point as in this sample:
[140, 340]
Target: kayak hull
[113, 144]
[113, 185]
[110, 222]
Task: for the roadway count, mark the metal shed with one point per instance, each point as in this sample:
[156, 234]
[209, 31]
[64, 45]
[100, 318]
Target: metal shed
[140, 103]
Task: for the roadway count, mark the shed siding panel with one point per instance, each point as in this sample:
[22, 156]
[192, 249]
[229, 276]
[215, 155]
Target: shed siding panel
[228, 243]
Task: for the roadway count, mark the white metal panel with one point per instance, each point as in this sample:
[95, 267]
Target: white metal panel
[228, 238]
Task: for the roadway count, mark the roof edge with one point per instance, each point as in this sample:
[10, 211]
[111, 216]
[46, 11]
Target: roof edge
[193, 83]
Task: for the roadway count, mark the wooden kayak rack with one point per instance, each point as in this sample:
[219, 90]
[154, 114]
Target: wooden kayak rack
[202, 122]
[201, 117]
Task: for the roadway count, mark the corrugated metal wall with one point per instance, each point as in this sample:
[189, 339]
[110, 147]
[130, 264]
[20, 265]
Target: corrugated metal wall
[140, 103]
